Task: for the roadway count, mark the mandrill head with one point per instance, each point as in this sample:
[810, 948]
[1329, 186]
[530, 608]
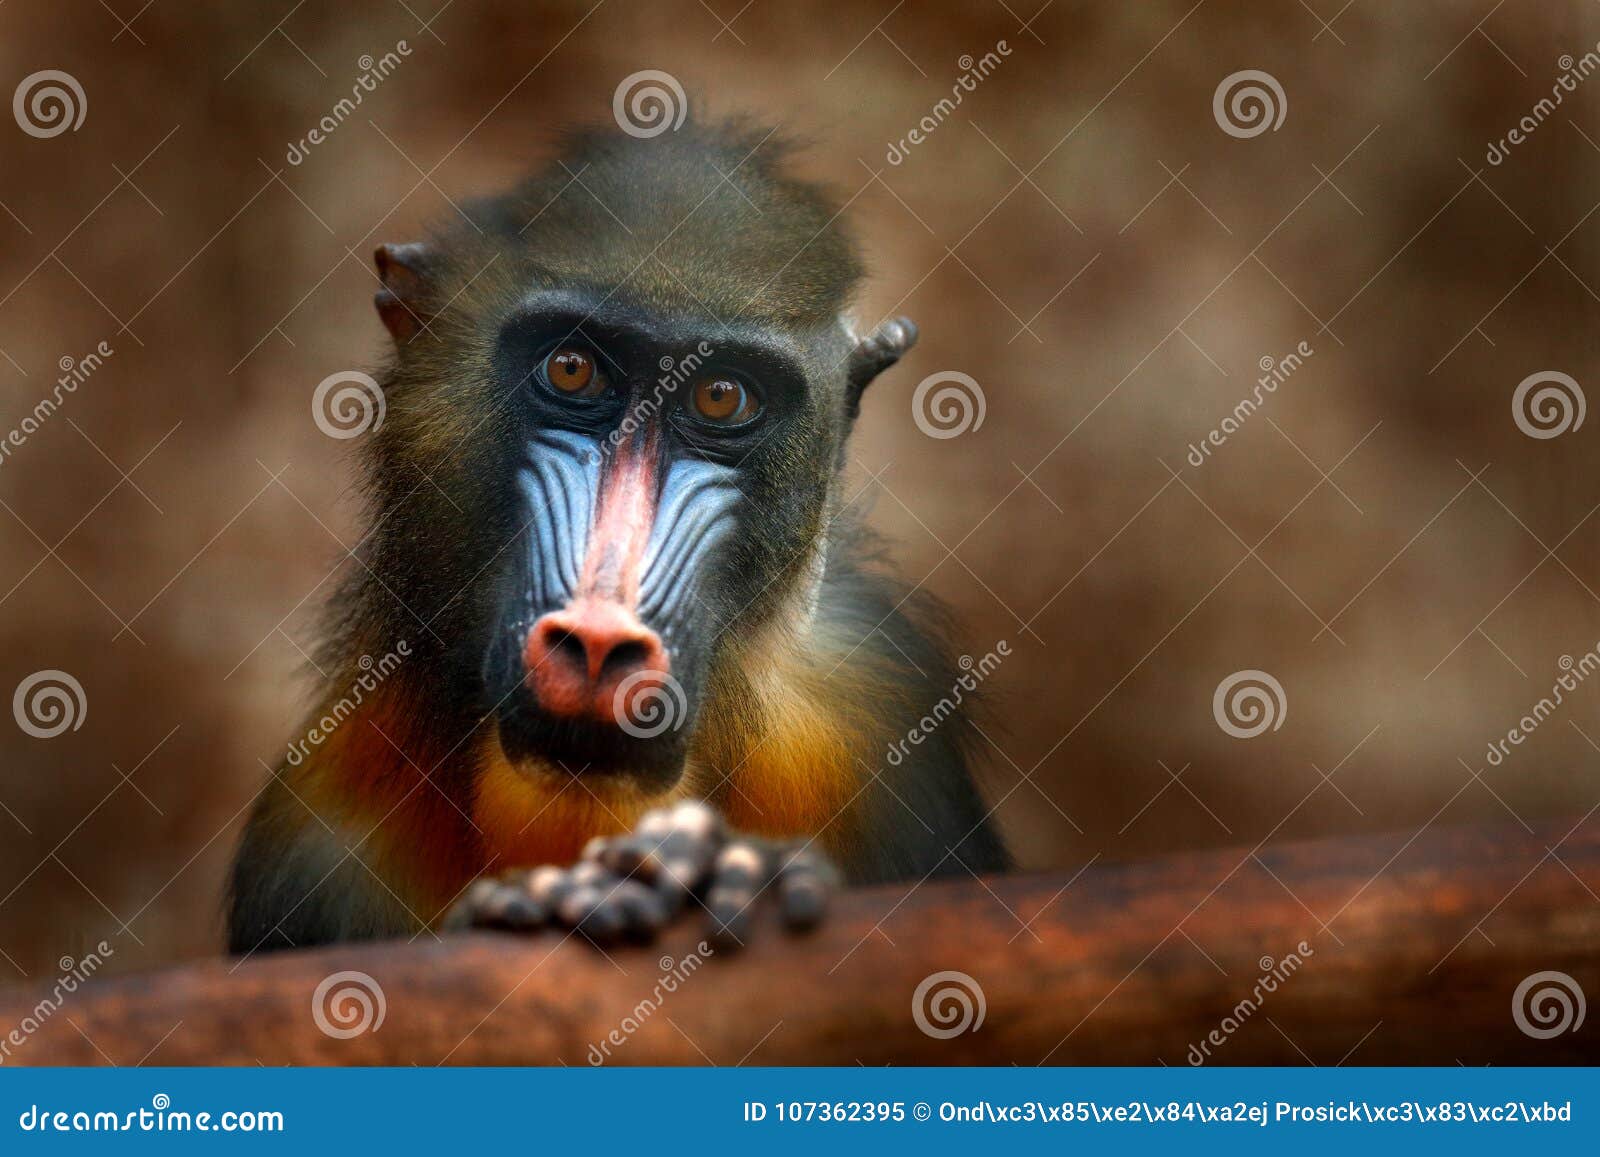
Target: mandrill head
[616, 414]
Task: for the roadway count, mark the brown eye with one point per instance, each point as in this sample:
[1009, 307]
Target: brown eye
[572, 371]
[723, 402]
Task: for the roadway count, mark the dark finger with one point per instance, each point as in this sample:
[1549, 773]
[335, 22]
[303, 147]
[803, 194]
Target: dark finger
[588, 909]
[682, 847]
[500, 904]
[643, 911]
[740, 871]
[806, 880]
[464, 912]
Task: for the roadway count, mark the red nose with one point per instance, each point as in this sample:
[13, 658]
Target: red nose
[578, 658]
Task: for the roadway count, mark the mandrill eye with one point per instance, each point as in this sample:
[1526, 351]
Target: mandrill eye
[573, 372]
[723, 402]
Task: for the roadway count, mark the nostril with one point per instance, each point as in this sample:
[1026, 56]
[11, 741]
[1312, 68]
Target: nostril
[624, 658]
[565, 647]
[575, 659]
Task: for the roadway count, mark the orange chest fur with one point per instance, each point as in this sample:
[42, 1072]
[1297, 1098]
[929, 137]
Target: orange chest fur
[795, 773]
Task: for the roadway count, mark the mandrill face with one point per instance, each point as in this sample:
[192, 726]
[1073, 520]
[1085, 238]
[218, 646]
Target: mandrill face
[618, 409]
[650, 467]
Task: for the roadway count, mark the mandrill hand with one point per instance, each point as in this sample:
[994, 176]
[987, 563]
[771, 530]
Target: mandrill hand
[629, 887]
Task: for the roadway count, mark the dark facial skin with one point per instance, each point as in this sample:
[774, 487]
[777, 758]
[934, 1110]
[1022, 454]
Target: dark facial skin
[721, 518]
[649, 381]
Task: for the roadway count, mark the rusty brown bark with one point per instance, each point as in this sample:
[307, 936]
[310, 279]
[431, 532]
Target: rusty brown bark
[1415, 951]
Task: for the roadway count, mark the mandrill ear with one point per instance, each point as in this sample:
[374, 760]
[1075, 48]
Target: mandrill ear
[875, 353]
[407, 272]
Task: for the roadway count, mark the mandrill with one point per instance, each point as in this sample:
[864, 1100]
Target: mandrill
[642, 632]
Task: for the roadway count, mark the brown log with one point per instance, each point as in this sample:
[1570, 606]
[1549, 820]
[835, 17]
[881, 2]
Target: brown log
[1416, 946]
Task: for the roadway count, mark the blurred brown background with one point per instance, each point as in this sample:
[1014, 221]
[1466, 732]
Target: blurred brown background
[1079, 235]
